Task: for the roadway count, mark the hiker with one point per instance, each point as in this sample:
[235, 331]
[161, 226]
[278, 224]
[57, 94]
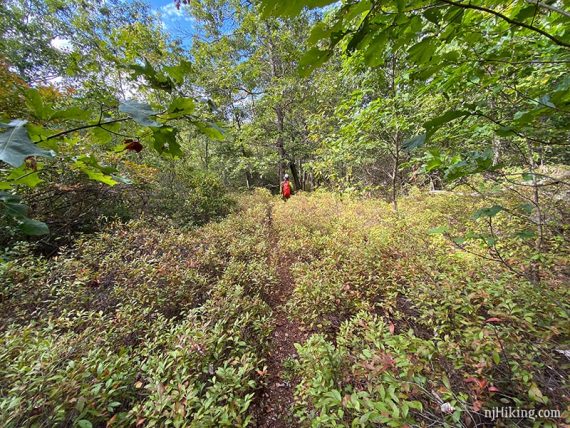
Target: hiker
[286, 187]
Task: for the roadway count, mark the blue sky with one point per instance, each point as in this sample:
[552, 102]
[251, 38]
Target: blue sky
[177, 22]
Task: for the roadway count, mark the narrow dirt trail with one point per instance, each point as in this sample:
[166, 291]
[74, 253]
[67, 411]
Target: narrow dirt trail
[276, 400]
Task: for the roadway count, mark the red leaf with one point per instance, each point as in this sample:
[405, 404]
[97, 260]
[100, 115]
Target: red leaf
[493, 389]
[392, 328]
[133, 145]
[493, 320]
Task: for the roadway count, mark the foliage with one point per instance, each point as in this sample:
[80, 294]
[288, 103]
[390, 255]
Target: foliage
[78, 124]
[145, 323]
[476, 54]
[138, 325]
[189, 197]
[395, 309]
[371, 376]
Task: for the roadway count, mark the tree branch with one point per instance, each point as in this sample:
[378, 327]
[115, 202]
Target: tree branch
[94, 125]
[509, 20]
[549, 7]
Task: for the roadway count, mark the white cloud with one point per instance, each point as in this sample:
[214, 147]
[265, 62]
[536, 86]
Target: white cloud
[62, 44]
[169, 11]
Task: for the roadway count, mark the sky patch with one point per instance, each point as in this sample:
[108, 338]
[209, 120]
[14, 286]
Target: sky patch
[176, 21]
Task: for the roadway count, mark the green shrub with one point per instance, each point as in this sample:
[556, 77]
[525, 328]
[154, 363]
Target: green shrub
[370, 377]
[493, 335]
[138, 325]
[150, 324]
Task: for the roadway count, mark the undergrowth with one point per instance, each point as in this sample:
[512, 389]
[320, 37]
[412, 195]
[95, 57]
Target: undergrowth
[139, 326]
[409, 329]
[145, 325]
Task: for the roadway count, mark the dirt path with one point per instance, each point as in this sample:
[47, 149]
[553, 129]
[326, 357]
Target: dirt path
[277, 396]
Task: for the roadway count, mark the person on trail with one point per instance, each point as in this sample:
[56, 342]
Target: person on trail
[286, 187]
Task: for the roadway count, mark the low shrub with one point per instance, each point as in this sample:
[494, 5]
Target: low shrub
[138, 325]
[493, 335]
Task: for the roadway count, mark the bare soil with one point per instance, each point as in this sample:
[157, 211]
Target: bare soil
[274, 409]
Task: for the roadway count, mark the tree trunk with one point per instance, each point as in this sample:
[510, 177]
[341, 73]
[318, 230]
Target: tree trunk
[280, 143]
[497, 145]
[295, 174]
[534, 268]
[395, 178]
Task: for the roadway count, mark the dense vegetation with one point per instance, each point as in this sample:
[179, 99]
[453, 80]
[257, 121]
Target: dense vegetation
[151, 276]
[142, 324]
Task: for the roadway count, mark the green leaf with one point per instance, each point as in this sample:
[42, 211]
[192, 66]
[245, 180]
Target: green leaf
[457, 170]
[434, 160]
[415, 405]
[290, 7]
[90, 167]
[84, 423]
[23, 175]
[36, 104]
[374, 54]
[318, 32]
[438, 230]
[211, 130]
[422, 52]
[165, 141]
[180, 107]
[535, 394]
[312, 59]
[72, 113]
[448, 116]
[487, 212]
[526, 12]
[13, 208]
[350, 11]
[358, 39]
[415, 142]
[525, 117]
[179, 72]
[432, 15]
[16, 146]
[139, 112]
[37, 133]
[33, 227]
[100, 136]
[156, 79]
